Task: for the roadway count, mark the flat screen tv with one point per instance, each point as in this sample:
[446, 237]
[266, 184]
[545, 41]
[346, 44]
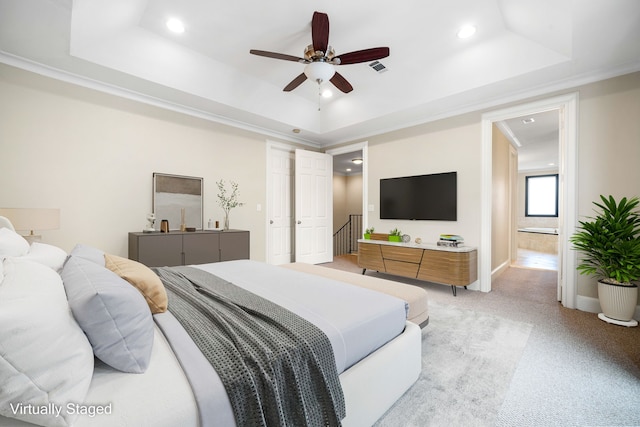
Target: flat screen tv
[422, 197]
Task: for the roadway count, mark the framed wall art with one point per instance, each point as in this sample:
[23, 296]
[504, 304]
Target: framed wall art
[175, 196]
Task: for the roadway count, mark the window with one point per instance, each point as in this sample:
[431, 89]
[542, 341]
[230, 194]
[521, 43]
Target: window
[541, 197]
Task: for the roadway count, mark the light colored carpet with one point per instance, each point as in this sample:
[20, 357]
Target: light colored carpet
[468, 359]
[576, 370]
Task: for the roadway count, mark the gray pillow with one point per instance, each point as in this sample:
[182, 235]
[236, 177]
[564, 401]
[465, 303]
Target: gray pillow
[89, 253]
[112, 313]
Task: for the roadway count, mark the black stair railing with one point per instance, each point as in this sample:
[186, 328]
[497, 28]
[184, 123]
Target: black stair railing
[345, 240]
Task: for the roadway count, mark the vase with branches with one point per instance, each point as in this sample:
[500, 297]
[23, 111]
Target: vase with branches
[227, 200]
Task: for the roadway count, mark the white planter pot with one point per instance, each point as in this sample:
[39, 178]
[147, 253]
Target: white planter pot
[618, 302]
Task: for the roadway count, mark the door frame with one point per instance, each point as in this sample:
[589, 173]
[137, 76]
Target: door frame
[568, 110]
[364, 148]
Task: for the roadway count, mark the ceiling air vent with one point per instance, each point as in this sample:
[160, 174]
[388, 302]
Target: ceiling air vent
[377, 65]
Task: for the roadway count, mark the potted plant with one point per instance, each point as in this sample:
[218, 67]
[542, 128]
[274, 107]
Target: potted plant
[395, 235]
[610, 246]
[368, 231]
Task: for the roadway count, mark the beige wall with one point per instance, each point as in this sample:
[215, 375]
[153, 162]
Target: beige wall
[500, 200]
[347, 198]
[443, 146]
[92, 156]
[608, 147]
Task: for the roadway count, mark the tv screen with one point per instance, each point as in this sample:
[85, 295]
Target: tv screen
[423, 197]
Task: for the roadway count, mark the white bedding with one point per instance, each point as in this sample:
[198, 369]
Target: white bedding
[357, 323]
[161, 397]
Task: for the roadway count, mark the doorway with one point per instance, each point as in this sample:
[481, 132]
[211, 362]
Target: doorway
[534, 144]
[350, 196]
[566, 105]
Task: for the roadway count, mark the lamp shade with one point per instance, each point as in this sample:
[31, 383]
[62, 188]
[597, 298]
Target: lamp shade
[32, 219]
[319, 71]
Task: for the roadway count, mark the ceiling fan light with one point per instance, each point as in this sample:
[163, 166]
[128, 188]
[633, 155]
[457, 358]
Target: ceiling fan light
[466, 31]
[175, 25]
[319, 71]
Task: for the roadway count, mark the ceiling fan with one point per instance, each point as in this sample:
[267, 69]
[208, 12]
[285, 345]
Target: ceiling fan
[321, 58]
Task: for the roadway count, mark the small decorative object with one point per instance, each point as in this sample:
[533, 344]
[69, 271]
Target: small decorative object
[418, 240]
[406, 238]
[395, 235]
[368, 231]
[610, 246]
[164, 226]
[227, 201]
[190, 229]
[151, 221]
[450, 240]
[183, 226]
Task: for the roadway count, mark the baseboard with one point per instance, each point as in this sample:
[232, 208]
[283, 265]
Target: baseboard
[592, 305]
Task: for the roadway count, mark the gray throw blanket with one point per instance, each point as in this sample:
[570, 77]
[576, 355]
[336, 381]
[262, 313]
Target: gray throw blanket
[277, 368]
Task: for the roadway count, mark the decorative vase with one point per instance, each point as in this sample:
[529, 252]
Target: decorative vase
[395, 238]
[618, 302]
[226, 221]
[367, 236]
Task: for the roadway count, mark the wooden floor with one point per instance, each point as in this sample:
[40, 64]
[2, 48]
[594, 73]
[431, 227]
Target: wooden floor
[539, 260]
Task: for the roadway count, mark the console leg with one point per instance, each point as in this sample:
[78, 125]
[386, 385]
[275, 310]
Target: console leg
[453, 289]
[363, 270]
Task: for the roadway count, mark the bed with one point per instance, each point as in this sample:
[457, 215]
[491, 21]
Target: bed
[52, 358]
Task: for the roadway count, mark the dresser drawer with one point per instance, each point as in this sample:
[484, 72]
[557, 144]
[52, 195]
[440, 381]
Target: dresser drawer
[399, 253]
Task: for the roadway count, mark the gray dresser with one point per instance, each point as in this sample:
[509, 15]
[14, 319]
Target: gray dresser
[185, 248]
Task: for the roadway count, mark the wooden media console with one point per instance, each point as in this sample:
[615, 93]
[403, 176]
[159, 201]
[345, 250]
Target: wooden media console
[432, 263]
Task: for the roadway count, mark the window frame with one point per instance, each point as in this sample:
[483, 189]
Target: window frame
[526, 195]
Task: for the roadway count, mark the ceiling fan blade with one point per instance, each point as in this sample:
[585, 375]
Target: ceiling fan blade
[295, 83]
[320, 31]
[341, 83]
[363, 55]
[275, 55]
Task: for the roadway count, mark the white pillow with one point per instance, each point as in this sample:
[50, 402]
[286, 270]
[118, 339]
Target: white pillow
[45, 358]
[49, 255]
[12, 244]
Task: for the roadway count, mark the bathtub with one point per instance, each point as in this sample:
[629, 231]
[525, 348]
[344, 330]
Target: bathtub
[540, 230]
[540, 239]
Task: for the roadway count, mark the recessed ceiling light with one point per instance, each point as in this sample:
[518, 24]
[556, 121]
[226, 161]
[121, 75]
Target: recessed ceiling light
[296, 130]
[348, 170]
[357, 161]
[466, 31]
[175, 25]
[528, 120]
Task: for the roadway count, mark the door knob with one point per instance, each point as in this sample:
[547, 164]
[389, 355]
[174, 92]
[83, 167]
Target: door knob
[299, 222]
[270, 221]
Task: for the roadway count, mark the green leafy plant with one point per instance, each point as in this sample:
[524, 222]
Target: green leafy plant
[610, 241]
[369, 230]
[395, 232]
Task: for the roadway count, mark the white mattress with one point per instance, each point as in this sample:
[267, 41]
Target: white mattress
[358, 322]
